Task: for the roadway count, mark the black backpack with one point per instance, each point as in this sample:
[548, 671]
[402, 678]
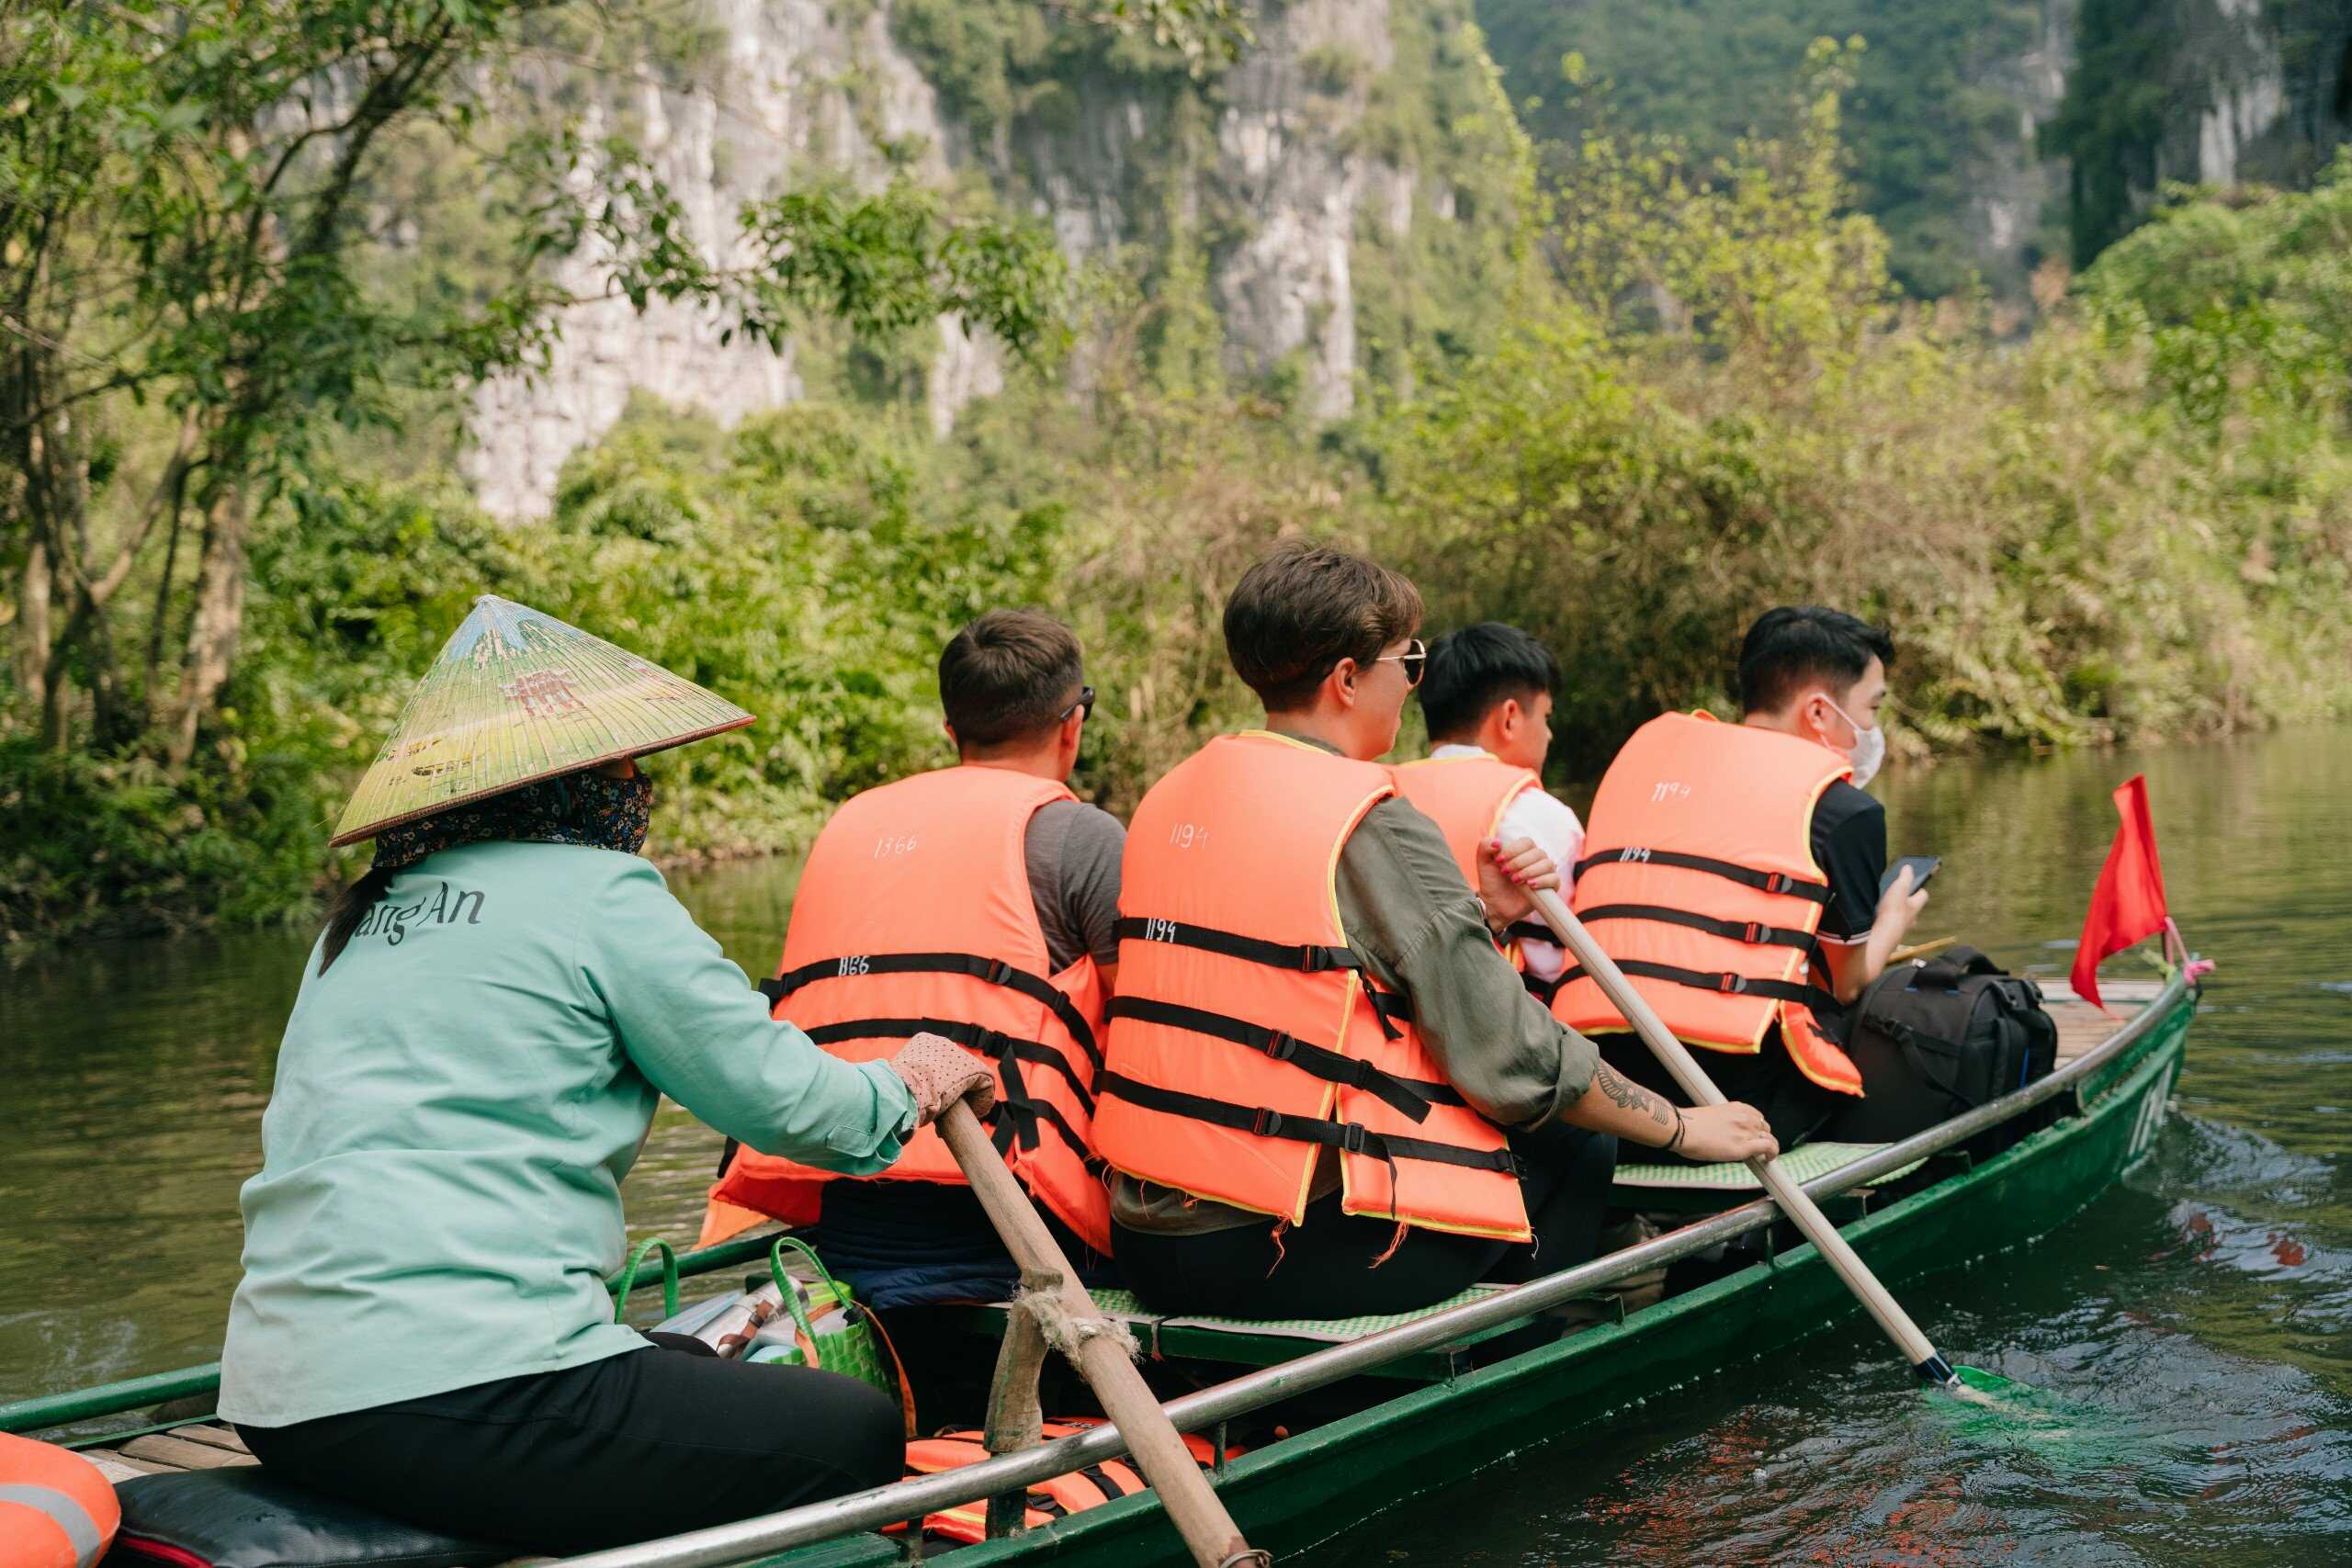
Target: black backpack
[1941, 1036]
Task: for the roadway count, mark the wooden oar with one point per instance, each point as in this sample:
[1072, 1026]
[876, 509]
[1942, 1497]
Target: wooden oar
[1101, 1358]
[1923, 1357]
[1921, 949]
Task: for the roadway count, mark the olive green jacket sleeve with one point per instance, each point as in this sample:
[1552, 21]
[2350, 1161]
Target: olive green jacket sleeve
[1423, 933]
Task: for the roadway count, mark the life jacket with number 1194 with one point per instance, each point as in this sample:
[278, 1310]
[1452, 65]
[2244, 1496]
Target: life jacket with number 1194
[1247, 1036]
[914, 915]
[1704, 890]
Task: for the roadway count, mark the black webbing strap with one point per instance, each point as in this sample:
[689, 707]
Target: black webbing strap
[1018, 1112]
[1351, 1138]
[1775, 881]
[1409, 1097]
[1704, 980]
[995, 1044]
[1528, 930]
[1388, 1009]
[1753, 932]
[995, 971]
[1306, 959]
[1105, 1482]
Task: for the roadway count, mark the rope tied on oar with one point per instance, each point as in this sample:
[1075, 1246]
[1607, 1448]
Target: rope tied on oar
[1101, 1350]
[1068, 1331]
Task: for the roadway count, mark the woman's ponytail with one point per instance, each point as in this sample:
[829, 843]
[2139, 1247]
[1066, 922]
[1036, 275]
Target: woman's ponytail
[350, 908]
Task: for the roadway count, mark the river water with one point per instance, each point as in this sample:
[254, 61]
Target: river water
[2199, 1309]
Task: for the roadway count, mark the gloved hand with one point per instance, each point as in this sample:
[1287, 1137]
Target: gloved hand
[941, 1072]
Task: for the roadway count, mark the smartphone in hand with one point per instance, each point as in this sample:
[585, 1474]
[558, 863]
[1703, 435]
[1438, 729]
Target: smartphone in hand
[1923, 868]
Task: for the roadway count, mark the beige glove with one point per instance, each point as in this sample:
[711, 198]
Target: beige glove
[941, 1072]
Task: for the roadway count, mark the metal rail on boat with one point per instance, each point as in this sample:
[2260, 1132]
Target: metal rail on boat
[901, 1501]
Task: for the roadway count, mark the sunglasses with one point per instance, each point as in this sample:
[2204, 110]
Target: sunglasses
[1415, 658]
[1085, 705]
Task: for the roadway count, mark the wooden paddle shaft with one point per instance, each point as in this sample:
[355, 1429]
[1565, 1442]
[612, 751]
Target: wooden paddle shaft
[1701, 1091]
[1208, 1530]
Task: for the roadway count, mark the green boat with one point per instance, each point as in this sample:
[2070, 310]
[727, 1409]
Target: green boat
[1375, 1414]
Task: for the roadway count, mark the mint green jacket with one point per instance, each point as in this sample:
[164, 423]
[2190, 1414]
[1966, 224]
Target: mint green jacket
[457, 1099]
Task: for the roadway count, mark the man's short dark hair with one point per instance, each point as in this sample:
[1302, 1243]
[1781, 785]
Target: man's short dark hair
[1009, 675]
[1472, 670]
[1789, 647]
[1304, 607]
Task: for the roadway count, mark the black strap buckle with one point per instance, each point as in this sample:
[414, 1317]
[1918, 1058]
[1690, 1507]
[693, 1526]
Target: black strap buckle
[1314, 960]
[1754, 934]
[1266, 1123]
[992, 1042]
[1732, 984]
[1000, 972]
[1353, 1136]
[1281, 1047]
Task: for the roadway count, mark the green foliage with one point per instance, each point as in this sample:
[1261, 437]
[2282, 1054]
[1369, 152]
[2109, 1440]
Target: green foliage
[1932, 109]
[1696, 397]
[2139, 524]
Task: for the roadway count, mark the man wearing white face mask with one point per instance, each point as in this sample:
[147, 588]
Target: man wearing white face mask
[1734, 876]
[1820, 674]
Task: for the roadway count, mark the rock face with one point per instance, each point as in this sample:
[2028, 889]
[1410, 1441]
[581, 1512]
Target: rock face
[2243, 91]
[1264, 169]
[2008, 197]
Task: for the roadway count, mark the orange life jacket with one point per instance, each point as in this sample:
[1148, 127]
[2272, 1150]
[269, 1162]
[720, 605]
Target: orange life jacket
[57, 1510]
[1466, 798]
[914, 914]
[1245, 1038]
[1704, 889]
[1052, 1499]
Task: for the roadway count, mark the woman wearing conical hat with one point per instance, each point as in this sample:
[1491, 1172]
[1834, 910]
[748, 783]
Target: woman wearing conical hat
[483, 1031]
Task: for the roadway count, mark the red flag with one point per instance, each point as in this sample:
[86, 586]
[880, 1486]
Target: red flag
[2129, 903]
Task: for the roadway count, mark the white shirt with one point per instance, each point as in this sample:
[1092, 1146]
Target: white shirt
[1534, 814]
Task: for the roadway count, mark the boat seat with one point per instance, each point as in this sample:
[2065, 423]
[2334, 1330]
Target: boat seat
[1259, 1342]
[242, 1516]
[1672, 1184]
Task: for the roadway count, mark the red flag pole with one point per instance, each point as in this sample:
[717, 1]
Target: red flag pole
[2128, 904]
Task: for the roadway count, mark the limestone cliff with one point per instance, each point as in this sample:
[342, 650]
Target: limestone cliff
[1292, 195]
[2213, 92]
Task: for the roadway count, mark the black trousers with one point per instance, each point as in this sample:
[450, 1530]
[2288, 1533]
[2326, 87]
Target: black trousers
[1330, 1266]
[642, 1444]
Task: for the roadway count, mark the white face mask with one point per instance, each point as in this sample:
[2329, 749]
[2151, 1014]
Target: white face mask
[1869, 749]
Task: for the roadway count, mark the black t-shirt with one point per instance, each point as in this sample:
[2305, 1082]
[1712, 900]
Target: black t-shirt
[1849, 843]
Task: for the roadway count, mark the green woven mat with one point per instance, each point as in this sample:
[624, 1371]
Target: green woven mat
[1805, 1162]
[1123, 1305]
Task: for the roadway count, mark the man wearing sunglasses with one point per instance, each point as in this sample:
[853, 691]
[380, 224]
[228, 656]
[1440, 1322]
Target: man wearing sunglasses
[977, 901]
[1327, 1092]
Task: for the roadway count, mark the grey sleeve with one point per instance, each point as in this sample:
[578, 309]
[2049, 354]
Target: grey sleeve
[1409, 914]
[1072, 852]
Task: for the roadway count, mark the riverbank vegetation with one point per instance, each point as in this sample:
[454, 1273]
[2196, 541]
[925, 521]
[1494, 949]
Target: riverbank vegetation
[1709, 398]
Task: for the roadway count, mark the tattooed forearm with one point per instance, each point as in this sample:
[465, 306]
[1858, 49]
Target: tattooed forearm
[1630, 1096]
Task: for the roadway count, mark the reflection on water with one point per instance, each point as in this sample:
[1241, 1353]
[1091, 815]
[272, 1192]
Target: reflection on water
[2198, 1312]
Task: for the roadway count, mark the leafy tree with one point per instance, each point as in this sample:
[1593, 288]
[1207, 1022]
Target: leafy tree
[1929, 114]
[191, 289]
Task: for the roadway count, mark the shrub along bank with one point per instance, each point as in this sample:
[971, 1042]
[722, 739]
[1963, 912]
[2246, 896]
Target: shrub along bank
[2138, 524]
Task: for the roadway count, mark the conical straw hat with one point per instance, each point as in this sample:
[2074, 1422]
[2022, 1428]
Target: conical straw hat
[515, 696]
